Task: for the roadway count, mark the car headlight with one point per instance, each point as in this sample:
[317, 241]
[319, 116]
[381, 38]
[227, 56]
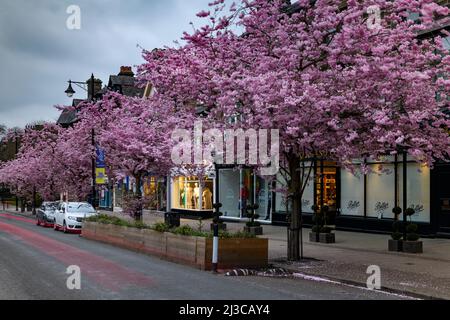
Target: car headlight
[72, 218]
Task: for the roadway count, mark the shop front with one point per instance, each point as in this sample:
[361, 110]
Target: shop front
[364, 202]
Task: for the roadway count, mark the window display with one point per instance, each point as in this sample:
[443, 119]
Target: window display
[326, 182]
[155, 191]
[190, 194]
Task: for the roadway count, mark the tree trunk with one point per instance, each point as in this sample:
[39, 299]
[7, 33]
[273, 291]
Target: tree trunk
[295, 187]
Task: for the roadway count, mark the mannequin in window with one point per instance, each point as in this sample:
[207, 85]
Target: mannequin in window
[190, 197]
[182, 199]
[244, 198]
[207, 199]
[196, 195]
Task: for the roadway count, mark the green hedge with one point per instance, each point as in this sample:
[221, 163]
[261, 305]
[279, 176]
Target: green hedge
[184, 230]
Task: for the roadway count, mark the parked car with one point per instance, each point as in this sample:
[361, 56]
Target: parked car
[70, 215]
[45, 215]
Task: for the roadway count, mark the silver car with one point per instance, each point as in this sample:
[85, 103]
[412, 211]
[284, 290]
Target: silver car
[45, 215]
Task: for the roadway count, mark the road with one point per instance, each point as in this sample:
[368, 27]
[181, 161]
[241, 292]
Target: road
[34, 262]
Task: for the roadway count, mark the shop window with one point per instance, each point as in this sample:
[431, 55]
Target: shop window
[263, 198]
[381, 191]
[155, 191]
[229, 182]
[326, 185]
[281, 202]
[352, 193]
[189, 193]
[418, 190]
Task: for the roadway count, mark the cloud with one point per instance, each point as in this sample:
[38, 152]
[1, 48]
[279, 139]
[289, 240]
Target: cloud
[39, 54]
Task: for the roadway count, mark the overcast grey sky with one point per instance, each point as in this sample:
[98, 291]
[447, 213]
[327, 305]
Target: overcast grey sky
[38, 54]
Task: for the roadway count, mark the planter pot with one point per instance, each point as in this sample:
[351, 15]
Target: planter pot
[395, 245]
[314, 237]
[188, 250]
[222, 226]
[413, 246]
[327, 238]
[257, 231]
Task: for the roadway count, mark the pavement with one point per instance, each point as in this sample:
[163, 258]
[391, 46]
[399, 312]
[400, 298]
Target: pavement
[35, 260]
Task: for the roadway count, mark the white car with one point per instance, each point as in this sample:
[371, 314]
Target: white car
[70, 215]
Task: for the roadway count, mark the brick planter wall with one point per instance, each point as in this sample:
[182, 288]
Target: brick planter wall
[192, 251]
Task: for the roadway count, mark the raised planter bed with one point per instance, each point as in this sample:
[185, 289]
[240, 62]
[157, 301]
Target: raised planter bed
[193, 251]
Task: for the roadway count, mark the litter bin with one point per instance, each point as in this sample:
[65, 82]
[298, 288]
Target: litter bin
[172, 219]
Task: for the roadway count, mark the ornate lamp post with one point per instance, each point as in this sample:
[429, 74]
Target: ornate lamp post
[70, 92]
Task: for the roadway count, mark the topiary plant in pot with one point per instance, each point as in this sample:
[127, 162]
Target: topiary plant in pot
[253, 226]
[412, 243]
[314, 235]
[396, 243]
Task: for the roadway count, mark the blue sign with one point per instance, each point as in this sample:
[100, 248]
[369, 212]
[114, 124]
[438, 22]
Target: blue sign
[100, 158]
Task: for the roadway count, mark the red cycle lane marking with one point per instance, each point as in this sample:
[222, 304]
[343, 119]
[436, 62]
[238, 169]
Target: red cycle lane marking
[104, 272]
[13, 217]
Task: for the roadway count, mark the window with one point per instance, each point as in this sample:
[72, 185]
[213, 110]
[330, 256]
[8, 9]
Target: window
[381, 191]
[418, 190]
[326, 185]
[229, 192]
[352, 193]
[190, 194]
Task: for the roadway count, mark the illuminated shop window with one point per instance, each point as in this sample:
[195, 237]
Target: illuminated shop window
[189, 193]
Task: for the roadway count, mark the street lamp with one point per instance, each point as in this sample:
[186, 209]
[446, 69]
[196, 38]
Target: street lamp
[70, 92]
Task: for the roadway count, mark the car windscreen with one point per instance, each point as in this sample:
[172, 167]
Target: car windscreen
[81, 208]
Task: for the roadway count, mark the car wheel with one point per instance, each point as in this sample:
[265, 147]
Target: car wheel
[64, 227]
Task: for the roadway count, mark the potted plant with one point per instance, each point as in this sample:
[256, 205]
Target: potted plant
[320, 231]
[326, 235]
[412, 244]
[314, 235]
[253, 226]
[396, 243]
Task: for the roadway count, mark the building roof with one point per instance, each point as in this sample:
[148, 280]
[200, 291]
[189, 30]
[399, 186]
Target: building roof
[126, 85]
[69, 116]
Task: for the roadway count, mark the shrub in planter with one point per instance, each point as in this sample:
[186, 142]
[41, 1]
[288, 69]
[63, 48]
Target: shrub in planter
[395, 244]
[412, 243]
[252, 226]
[326, 235]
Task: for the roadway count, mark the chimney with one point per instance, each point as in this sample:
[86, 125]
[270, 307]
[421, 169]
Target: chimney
[126, 71]
[97, 87]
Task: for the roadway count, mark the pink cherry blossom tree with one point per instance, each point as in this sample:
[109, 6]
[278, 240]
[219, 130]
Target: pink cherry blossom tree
[336, 86]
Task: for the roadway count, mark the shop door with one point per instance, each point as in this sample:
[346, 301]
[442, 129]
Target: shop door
[444, 201]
